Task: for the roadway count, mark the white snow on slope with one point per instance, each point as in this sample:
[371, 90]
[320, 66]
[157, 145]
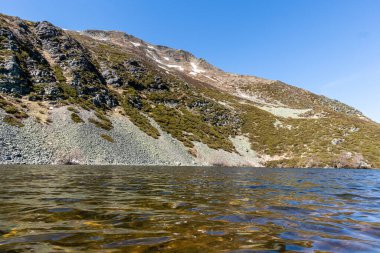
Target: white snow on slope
[196, 70]
[285, 112]
[209, 77]
[163, 68]
[102, 38]
[151, 55]
[135, 44]
[176, 66]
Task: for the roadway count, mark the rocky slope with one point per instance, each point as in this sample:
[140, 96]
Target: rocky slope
[106, 97]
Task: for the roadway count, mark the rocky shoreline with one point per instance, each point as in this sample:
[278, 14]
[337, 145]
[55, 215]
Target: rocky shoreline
[64, 142]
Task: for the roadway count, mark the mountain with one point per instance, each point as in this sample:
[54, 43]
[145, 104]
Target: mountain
[106, 97]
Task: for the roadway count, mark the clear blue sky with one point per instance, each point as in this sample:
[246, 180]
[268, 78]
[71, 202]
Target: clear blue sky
[330, 47]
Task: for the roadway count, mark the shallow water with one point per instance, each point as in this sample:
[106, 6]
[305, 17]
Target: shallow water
[168, 209]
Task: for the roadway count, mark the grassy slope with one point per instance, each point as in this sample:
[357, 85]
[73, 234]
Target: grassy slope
[308, 142]
[183, 121]
[190, 111]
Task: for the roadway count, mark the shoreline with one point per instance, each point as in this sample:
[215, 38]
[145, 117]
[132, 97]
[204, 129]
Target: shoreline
[175, 166]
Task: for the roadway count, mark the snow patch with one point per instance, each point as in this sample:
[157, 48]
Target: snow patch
[163, 67]
[285, 112]
[101, 38]
[209, 77]
[136, 44]
[151, 55]
[167, 58]
[151, 47]
[276, 108]
[195, 68]
[176, 67]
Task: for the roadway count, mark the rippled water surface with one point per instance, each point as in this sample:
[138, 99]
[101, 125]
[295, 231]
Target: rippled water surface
[135, 209]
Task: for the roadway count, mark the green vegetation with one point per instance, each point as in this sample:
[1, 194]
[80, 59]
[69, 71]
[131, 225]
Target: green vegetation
[190, 110]
[178, 113]
[72, 109]
[141, 98]
[309, 141]
[12, 121]
[69, 93]
[9, 108]
[59, 74]
[38, 89]
[66, 90]
[107, 138]
[286, 94]
[141, 121]
[3, 102]
[188, 127]
[102, 121]
[138, 118]
[76, 118]
[100, 124]
[85, 104]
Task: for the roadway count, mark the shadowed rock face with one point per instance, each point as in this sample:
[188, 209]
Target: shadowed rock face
[13, 76]
[163, 89]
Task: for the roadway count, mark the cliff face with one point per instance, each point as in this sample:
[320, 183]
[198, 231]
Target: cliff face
[106, 97]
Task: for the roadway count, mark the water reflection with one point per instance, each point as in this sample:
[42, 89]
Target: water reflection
[112, 209]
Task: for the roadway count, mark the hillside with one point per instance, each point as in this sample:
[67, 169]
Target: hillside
[106, 97]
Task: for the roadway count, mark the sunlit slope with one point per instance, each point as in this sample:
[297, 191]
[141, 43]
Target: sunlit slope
[162, 89]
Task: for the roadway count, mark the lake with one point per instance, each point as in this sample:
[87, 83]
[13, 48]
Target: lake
[188, 209]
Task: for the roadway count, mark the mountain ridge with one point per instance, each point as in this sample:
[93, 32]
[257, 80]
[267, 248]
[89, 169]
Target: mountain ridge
[163, 90]
[192, 57]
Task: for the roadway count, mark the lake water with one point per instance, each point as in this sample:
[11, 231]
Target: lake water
[171, 209]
